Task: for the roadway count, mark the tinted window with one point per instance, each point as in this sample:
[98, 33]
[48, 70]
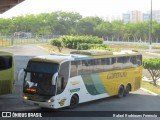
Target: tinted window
[124, 59]
[120, 59]
[5, 62]
[139, 60]
[42, 67]
[113, 60]
[133, 60]
[74, 69]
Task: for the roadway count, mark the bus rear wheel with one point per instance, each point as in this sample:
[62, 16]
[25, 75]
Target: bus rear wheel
[74, 101]
[128, 88]
[121, 91]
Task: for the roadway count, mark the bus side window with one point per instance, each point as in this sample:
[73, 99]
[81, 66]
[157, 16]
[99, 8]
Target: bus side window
[99, 66]
[133, 60]
[96, 69]
[63, 76]
[106, 64]
[85, 67]
[126, 63]
[139, 60]
[5, 62]
[120, 61]
[113, 62]
[74, 68]
[79, 64]
[94, 66]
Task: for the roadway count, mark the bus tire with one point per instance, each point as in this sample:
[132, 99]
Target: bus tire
[128, 88]
[121, 92]
[74, 101]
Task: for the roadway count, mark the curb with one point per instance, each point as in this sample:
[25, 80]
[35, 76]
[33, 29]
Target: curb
[153, 53]
[45, 49]
[148, 91]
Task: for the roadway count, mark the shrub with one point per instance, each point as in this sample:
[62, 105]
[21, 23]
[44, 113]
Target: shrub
[85, 46]
[73, 41]
[58, 43]
[153, 66]
[80, 43]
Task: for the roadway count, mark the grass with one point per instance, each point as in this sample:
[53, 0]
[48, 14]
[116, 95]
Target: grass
[25, 41]
[5, 43]
[151, 87]
[134, 46]
[53, 49]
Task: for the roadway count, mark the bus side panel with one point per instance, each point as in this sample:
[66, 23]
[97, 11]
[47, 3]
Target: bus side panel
[5, 81]
[13, 76]
[82, 86]
[113, 79]
[6, 74]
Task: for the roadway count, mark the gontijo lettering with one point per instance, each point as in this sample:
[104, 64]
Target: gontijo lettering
[116, 75]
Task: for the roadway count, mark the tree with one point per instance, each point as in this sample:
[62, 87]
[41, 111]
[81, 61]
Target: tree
[58, 43]
[153, 66]
[87, 25]
[155, 31]
[118, 30]
[104, 30]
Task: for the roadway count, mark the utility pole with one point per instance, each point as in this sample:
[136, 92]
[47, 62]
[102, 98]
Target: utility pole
[150, 30]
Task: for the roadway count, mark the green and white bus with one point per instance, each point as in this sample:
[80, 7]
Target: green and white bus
[6, 73]
[56, 81]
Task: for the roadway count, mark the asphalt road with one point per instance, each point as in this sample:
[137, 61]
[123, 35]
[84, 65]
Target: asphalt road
[136, 101]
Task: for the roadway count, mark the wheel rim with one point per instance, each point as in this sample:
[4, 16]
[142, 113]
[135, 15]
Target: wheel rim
[73, 101]
[127, 90]
[121, 92]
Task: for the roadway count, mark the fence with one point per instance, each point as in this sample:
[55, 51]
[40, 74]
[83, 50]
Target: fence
[9, 40]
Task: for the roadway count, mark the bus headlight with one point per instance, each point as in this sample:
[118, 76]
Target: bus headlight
[50, 100]
[25, 98]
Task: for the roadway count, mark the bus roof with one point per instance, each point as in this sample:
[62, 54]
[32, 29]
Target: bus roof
[2, 53]
[82, 55]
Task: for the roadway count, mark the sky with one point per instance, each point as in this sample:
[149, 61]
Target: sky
[101, 8]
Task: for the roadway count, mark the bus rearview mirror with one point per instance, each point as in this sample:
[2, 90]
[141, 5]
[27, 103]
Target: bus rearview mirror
[54, 78]
[19, 75]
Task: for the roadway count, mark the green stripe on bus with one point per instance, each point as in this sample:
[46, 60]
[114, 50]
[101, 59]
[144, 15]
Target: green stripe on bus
[98, 83]
[93, 84]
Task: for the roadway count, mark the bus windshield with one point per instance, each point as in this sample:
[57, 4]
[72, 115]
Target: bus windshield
[38, 78]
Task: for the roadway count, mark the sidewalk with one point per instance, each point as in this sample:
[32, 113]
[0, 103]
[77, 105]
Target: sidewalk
[144, 78]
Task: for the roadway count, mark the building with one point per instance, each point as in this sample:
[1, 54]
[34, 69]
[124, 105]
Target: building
[146, 17]
[126, 17]
[137, 16]
[156, 15]
[132, 16]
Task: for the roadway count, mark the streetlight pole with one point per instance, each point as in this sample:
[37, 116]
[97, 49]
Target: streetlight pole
[150, 30]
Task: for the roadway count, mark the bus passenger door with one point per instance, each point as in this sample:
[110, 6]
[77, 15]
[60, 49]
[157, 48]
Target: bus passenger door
[62, 77]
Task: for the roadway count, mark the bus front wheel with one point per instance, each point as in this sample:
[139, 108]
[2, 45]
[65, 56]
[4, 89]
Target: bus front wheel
[74, 101]
[121, 91]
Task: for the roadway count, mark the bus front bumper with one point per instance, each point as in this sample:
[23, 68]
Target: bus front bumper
[40, 104]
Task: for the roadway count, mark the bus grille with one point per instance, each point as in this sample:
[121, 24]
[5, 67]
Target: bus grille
[5, 87]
